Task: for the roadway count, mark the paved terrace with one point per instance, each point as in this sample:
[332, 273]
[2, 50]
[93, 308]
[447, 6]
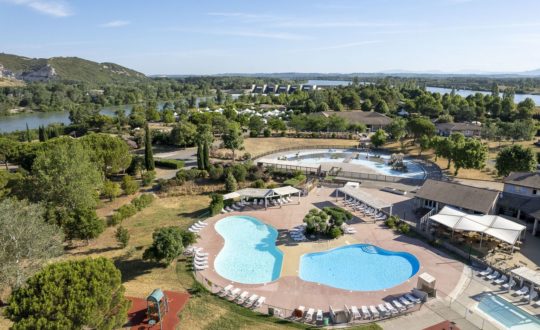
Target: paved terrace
[289, 291]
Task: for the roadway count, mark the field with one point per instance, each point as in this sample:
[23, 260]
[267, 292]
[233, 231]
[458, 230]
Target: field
[256, 146]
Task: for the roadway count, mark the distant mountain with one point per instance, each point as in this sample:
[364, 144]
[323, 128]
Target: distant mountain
[66, 69]
[531, 73]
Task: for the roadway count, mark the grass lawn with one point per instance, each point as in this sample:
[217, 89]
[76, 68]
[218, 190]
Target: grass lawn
[257, 146]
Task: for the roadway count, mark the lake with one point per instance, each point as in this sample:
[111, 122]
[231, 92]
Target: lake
[466, 92]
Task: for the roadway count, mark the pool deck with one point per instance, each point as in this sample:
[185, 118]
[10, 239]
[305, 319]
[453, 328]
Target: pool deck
[289, 291]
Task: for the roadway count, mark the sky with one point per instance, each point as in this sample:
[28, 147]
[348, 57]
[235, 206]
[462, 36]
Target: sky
[240, 36]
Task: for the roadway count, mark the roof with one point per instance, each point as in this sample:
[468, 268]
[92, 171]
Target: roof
[261, 193]
[524, 179]
[527, 274]
[492, 225]
[364, 197]
[458, 195]
[156, 295]
[365, 117]
[458, 127]
[529, 205]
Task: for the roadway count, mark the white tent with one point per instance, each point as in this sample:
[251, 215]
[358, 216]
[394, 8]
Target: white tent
[492, 225]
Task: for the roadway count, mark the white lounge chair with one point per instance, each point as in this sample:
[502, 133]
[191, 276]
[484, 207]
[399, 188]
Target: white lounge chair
[234, 206]
[355, 313]
[536, 303]
[509, 285]
[532, 295]
[199, 268]
[201, 254]
[365, 312]
[242, 297]
[200, 258]
[309, 315]
[259, 302]
[523, 291]
[200, 263]
[374, 312]
[233, 294]
[319, 316]
[492, 276]
[405, 302]
[251, 300]
[229, 209]
[485, 272]
[399, 306]
[383, 310]
[197, 226]
[193, 230]
[501, 280]
[391, 308]
[201, 223]
[223, 292]
[223, 211]
[412, 298]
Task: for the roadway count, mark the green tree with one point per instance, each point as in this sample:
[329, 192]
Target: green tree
[230, 183]
[167, 115]
[425, 143]
[26, 241]
[122, 236]
[110, 153]
[397, 129]
[204, 139]
[81, 294]
[378, 139]
[472, 154]
[129, 185]
[216, 204]
[382, 107]
[166, 246]
[183, 134]
[367, 105]
[525, 109]
[336, 124]
[82, 224]
[277, 124]
[233, 139]
[148, 153]
[64, 176]
[111, 190]
[515, 158]
[420, 126]
[256, 126]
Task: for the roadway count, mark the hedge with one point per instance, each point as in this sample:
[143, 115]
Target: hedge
[128, 210]
[169, 163]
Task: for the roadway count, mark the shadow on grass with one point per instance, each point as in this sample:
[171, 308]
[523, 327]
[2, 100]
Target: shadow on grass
[95, 251]
[195, 214]
[133, 268]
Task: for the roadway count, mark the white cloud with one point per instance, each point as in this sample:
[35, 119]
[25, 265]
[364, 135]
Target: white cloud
[53, 8]
[115, 24]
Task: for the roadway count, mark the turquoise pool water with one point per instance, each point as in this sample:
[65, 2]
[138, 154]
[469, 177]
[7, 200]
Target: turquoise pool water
[504, 312]
[250, 255]
[359, 267]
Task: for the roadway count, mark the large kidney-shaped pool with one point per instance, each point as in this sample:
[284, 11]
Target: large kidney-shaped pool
[359, 267]
[250, 255]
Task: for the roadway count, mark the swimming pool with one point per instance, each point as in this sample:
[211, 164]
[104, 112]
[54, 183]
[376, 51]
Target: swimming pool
[250, 255]
[358, 267]
[505, 313]
[374, 162]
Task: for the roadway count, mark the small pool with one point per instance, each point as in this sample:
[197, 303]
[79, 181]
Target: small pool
[375, 162]
[358, 267]
[505, 313]
[250, 255]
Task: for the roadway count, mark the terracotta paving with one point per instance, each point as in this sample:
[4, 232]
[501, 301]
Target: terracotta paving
[289, 291]
[137, 319]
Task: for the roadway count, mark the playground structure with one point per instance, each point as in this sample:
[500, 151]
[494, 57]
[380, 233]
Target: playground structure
[157, 305]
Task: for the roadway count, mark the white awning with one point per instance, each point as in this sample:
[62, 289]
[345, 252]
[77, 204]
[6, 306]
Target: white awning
[261, 193]
[364, 197]
[527, 274]
[492, 225]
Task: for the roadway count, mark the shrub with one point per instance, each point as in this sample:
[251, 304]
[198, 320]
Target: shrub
[122, 236]
[404, 228]
[115, 219]
[335, 232]
[216, 172]
[127, 211]
[166, 246]
[246, 156]
[142, 201]
[392, 221]
[258, 184]
[240, 172]
[267, 132]
[216, 204]
[230, 183]
[169, 163]
[129, 185]
[148, 177]
[111, 190]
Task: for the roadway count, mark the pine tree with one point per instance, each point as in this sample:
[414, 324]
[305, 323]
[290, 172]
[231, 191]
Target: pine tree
[200, 164]
[206, 156]
[148, 154]
[41, 133]
[28, 137]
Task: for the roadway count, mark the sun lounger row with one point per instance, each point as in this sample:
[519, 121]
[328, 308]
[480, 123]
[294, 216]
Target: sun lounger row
[197, 227]
[243, 299]
[200, 259]
[238, 206]
[508, 284]
[365, 209]
[297, 234]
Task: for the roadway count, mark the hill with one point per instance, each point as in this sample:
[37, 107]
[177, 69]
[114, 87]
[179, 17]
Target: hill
[67, 69]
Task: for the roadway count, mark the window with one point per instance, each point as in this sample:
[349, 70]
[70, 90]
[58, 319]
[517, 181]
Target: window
[535, 191]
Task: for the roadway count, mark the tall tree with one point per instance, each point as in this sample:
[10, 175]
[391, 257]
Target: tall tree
[109, 152]
[166, 246]
[233, 139]
[26, 241]
[515, 158]
[379, 138]
[148, 153]
[472, 154]
[204, 139]
[420, 126]
[81, 294]
[397, 129]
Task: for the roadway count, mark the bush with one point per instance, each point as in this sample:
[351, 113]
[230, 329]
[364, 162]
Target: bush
[216, 204]
[148, 177]
[169, 163]
[129, 185]
[142, 201]
[122, 236]
[216, 172]
[127, 211]
[404, 228]
[392, 221]
[335, 232]
[258, 184]
[240, 172]
[267, 132]
[230, 183]
[166, 246]
[111, 190]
